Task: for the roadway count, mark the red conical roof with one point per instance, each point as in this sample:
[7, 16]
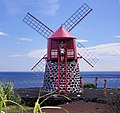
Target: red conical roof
[61, 33]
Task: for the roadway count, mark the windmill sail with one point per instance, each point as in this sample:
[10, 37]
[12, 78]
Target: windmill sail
[40, 65]
[86, 55]
[83, 11]
[38, 25]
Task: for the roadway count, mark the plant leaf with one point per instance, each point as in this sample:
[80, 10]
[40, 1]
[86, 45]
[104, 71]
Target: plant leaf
[16, 104]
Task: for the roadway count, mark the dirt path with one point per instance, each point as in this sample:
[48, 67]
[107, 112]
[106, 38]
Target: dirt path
[80, 107]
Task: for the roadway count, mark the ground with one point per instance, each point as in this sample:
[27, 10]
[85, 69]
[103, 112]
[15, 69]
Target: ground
[89, 101]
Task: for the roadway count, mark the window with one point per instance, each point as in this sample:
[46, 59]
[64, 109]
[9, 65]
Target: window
[54, 53]
[70, 53]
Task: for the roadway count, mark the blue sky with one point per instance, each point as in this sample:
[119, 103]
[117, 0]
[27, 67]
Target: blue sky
[21, 47]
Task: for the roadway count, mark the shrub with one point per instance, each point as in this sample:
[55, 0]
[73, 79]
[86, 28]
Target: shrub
[89, 85]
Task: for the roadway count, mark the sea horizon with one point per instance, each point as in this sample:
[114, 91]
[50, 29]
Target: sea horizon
[31, 79]
[42, 71]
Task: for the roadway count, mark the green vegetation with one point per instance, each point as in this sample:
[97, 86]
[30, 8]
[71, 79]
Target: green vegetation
[10, 100]
[17, 109]
[8, 96]
[89, 85]
[118, 88]
[38, 108]
[7, 88]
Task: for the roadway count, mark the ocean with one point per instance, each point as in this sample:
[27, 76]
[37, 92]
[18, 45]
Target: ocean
[30, 79]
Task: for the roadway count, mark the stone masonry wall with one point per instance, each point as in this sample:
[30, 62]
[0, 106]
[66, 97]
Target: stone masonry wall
[50, 84]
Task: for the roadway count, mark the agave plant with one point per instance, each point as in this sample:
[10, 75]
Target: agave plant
[8, 90]
[38, 108]
[7, 95]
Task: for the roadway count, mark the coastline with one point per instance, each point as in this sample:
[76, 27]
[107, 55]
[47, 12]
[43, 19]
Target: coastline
[91, 99]
[29, 79]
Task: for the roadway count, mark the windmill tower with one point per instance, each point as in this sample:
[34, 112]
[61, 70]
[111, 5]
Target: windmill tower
[61, 67]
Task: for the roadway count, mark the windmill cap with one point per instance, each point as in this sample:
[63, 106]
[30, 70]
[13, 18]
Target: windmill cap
[61, 33]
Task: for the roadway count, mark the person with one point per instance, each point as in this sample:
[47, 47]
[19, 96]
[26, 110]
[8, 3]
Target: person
[96, 82]
[105, 84]
[105, 87]
[81, 85]
[62, 50]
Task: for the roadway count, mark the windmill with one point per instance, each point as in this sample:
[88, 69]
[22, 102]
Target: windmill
[61, 69]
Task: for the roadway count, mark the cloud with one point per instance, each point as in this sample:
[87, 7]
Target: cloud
[108, 55]
[15, 55]
[106, 49]
[26, 39]
[50, 7]
[110, 50]
[117, 36]
[37, 53]
[47, 7]
[2, 34]
[81, 41]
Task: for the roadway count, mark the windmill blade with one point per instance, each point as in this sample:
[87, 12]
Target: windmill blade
[86, 55]
[83, 11]
[37, 25]
[40, 65]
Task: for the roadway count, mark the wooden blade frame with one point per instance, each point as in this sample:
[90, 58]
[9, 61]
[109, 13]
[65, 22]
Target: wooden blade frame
[87, 55]
[40, 65]
[83, 11]
[37, 25]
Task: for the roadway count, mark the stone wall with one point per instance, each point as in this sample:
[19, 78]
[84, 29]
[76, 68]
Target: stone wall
[50, 84]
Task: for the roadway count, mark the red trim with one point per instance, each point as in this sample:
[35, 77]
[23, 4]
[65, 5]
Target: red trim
[72, 73]
[66, 74]
[58, 71]
[62, 33]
